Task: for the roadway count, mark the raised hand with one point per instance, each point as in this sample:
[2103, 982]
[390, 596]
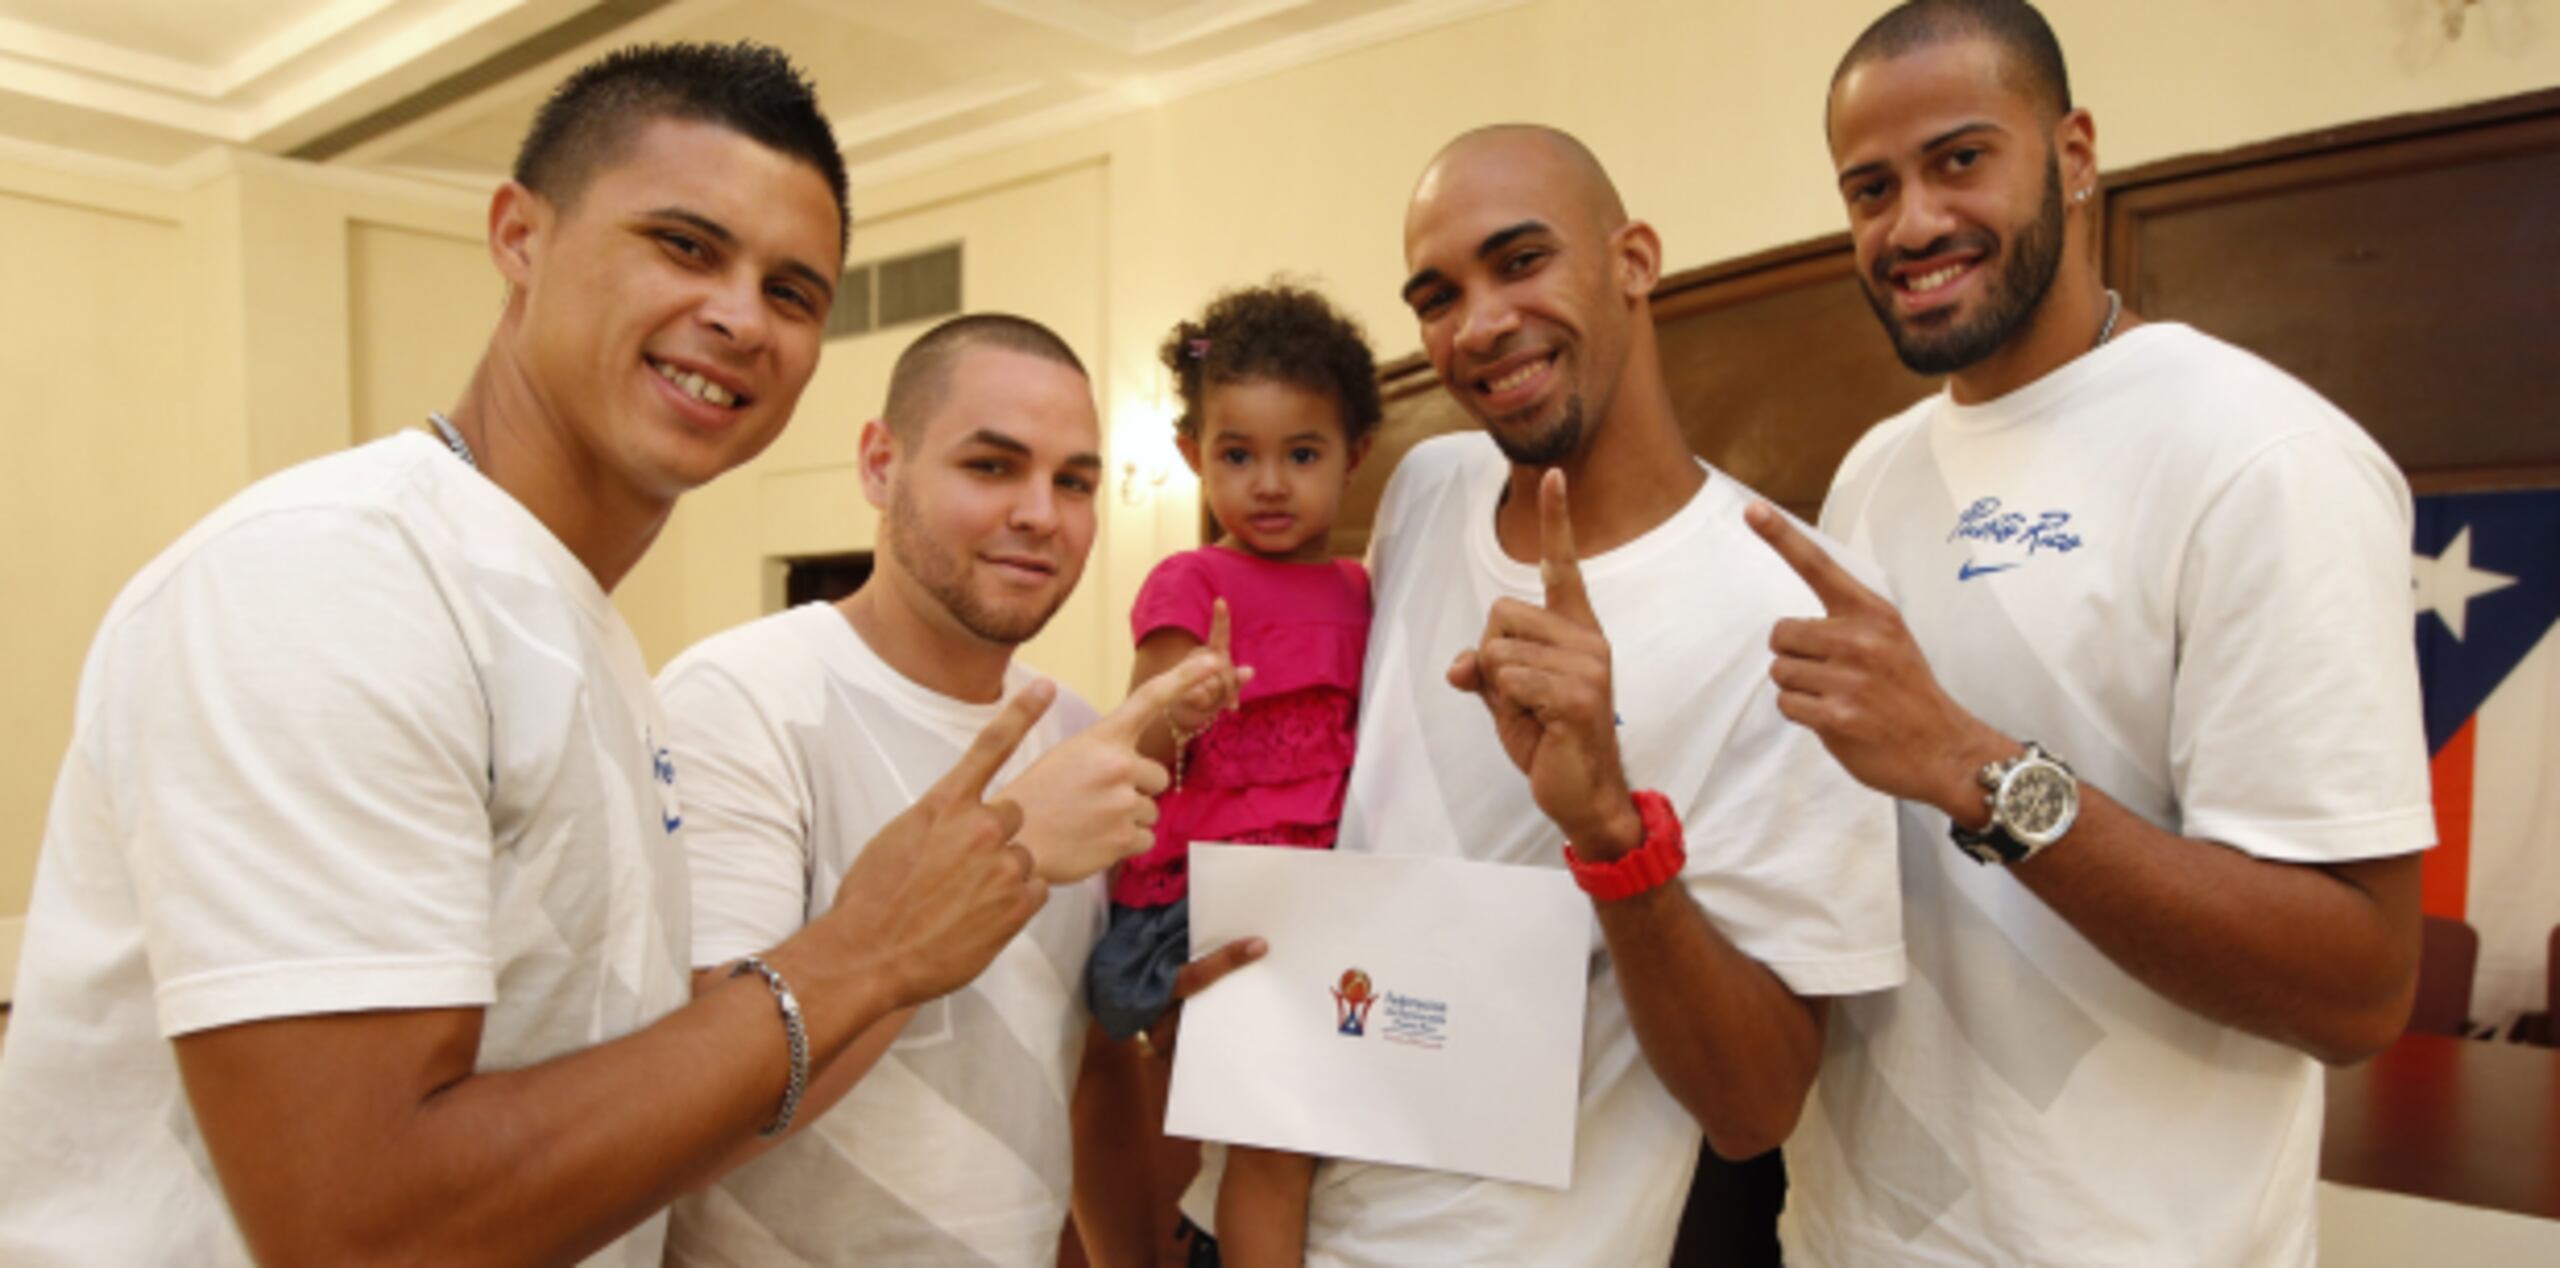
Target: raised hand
[944, 886]
[1856, 678]
[1090, 802]
[1543, 672]
[1193, 711]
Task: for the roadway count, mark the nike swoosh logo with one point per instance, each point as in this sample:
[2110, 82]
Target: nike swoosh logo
[1969, 570]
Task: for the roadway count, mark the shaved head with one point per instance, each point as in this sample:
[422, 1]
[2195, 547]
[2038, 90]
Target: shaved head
[1560, 160]
[921, 380]
[1531, 284]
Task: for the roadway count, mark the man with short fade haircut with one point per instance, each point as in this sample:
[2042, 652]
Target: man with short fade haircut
[2145, 690]
[942, 1135]
[359, 928]
[1577, 574]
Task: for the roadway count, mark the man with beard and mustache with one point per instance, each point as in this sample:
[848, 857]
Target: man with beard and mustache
[942, 1135]
[2150, 552]
[1622, 683]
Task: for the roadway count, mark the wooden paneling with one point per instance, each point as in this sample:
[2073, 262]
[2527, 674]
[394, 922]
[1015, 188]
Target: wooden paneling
[2405, 269]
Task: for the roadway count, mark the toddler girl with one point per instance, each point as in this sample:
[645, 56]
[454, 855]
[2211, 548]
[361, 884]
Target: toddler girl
[1280, 397]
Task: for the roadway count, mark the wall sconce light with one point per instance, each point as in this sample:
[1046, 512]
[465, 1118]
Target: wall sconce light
[2431, 25]
[1139, 482]
[1143, 453]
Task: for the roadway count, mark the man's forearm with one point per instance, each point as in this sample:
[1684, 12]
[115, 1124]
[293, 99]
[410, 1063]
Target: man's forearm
[1728, 1038]
[2320, 958]
[537, 1165]
[829, 1081]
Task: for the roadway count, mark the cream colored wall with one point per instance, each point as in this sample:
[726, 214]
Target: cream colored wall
[166, 341]
[96, 343]
[419, 308]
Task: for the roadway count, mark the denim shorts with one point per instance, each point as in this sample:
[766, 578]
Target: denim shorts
[1128, 982]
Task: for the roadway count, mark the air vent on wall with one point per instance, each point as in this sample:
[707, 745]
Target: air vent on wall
[852, 313]
[897, 291]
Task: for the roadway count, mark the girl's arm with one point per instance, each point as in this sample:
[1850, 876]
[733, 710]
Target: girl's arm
[1262, 1207]
[1193, 711]
[1158, 652]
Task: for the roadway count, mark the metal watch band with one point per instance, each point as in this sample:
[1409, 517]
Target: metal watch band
[793, 1032]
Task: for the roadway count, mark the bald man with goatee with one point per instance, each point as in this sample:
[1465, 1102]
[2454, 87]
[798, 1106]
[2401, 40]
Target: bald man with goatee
[1570, 648]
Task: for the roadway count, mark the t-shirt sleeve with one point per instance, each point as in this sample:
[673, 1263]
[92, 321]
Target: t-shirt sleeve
[2295, 731]
[746, 829]
[1179, 594]
[1795, 862]
[300, 754]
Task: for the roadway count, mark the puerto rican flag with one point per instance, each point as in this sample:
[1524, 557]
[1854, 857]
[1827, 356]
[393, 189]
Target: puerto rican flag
[2486, 574]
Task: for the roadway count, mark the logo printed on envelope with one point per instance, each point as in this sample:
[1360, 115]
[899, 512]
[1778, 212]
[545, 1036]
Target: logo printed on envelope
[1351, 1002]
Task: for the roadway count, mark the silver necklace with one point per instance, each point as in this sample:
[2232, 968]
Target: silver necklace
[2115, 309]
[462, 449]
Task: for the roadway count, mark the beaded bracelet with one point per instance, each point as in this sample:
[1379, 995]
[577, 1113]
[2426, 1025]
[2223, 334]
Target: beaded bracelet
[1181, 746]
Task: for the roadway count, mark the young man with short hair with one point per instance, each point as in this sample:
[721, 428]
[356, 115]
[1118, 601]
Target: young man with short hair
[943, 1136]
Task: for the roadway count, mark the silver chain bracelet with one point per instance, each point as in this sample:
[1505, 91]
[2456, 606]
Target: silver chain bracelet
[793, 1031]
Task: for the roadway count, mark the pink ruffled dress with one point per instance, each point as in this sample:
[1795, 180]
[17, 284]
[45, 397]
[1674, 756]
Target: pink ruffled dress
[1272, 770]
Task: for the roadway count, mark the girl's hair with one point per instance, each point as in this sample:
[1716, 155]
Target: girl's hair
[1275, 332]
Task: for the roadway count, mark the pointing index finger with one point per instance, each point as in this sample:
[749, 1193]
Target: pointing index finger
[1559, 566]
[1831, 583]
[967, 779]
[1152, 697]
[1218, 626]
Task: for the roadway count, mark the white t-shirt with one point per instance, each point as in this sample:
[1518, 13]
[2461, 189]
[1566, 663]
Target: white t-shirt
[367, 737]
[798, 743]
[2188, 576]
[1790, 858]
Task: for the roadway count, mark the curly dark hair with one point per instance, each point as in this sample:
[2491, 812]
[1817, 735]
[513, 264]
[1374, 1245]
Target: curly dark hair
[751, 89]
[1279, 333]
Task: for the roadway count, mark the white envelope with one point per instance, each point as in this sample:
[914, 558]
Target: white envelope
[1425, 1012]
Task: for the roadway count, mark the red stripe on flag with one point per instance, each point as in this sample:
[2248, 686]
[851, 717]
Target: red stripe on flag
[2445, 885]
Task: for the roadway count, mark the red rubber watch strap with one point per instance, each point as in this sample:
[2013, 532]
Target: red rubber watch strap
[1656, 859]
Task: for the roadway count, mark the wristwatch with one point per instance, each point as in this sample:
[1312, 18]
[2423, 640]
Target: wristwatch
[2034, 799]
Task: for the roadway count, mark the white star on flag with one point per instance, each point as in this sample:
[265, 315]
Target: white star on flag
[2446, 584]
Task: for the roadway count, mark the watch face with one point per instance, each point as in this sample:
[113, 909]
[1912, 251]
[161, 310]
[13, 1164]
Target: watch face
[2038, 802]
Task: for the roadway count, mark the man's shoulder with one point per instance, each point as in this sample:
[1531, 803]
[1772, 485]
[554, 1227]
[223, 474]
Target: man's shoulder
[1740, 572]
[1881, 436]
[773, 652]
[302, 532]
[2221, 394]
[1437, 460]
